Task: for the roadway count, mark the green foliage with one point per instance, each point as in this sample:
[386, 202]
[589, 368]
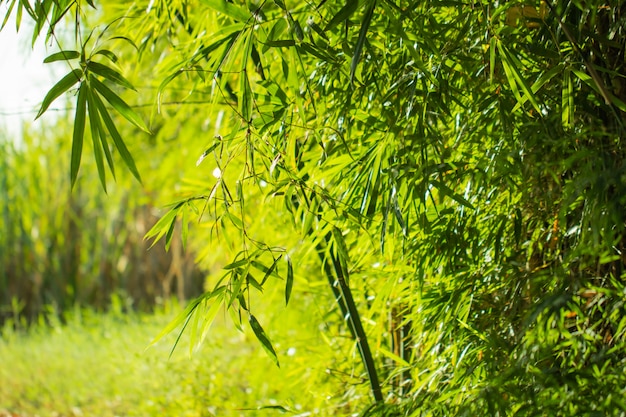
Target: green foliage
[102, 367]
[60, 248]
[454, 172]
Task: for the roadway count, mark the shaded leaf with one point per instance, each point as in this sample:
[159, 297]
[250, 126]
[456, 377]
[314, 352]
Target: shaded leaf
[358, 50]
[445, 190]
[262, 337]
[289, 280]
[79, 131]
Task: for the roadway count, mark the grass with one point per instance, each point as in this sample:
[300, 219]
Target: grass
[98, 365]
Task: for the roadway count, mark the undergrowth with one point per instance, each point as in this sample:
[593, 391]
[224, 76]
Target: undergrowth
[100, 364]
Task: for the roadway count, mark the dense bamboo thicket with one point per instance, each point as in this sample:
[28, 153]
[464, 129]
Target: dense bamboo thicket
[452, 173]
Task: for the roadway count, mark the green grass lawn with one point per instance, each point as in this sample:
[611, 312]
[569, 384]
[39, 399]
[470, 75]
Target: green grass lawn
[100, 365]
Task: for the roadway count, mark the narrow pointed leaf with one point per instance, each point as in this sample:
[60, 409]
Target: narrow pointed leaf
[229, 9]
[8, 14]
[246, 98]
[164, 225]
[358, 50]
[96, 131]
[512, 69]
[342, 251]
[170, 234]
[289, 281]
[110, 74]
[185, 228]
[237, 264]
[343, 14]
[117, 139]
[119, 104]
[107, 53]
[492, 57]
[269, 271]
[447, 191]
[93, 110]
[262, 336]
[183, 317]
[62, 56]
[79, 131]
[59, 88]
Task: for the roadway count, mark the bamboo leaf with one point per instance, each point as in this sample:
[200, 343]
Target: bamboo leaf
[343, 14]
[209, 318]
[289, 280]
[94, 116]
[245, 104]
[358, 50]
[185, 228]
[492, 57]
[79, 131]
[107, 53]
[236, 221]
[262, 337]
[541, 81]
[567, 100]
[229, 9]
[237, 264]
[8, 14]
[110, 74]
[62, 56]
[117, 139]
[445, 190]
[237, 279]
[269, 271]
[170, 234]
[119, 104]
[342, 250]
[96, 131]
[59, 88]
[183, 317]
[164, 225]
[511, 67]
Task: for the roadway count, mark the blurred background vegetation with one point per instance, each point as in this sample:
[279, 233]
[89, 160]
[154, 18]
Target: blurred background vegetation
[63, 248]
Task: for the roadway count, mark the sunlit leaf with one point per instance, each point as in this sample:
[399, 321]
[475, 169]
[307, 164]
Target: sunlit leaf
[59, 88]
[344, 13]
[179, 320]
[107, 53]
[110, 74]
[97, 139]
[229, 9]
[119, 104]
[117, 139]
[62, 56]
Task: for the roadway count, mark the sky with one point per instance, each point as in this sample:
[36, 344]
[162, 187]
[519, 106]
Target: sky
[24, 78]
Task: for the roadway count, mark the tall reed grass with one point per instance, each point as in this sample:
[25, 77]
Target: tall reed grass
[60, 247]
